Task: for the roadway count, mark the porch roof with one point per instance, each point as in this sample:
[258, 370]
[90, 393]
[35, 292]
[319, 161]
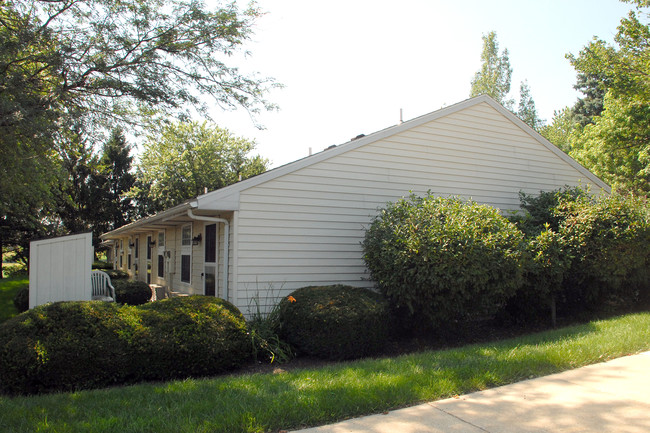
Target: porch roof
[161, 220]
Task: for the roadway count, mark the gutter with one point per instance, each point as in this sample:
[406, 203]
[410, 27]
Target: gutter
[226, 244]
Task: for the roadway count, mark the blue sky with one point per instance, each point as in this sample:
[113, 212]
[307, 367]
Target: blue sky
[349, 66]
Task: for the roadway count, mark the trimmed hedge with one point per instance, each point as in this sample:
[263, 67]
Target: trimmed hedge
[334, 322]
[442, 259]
[132, 292]
[68, 346]
[585, 254]
[117, 274]
[608, 239]
[102, 265]
[192, 336]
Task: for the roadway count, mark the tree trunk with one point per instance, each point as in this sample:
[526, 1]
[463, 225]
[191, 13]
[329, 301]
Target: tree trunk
[553, 311]
[0, 256]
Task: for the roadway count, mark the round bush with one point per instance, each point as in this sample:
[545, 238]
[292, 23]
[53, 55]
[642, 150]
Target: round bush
[334, 322]
[21, 300]
[441, 259]
[65, 346]
[192, 336]
[131, 292]
[79, 345]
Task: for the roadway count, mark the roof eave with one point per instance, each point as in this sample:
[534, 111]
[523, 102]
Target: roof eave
[157, 220]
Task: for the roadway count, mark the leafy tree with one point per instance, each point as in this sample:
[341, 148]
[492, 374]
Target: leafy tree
[186, 158]
[28, 120]
[617, 145]
[100, 62]
[559, 130]
[494, 77]
[526, 109]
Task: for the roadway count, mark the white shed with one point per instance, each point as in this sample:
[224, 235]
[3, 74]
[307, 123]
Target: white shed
[302, 224]
[59, 269]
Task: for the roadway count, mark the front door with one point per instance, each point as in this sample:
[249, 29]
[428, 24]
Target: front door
[210, 263]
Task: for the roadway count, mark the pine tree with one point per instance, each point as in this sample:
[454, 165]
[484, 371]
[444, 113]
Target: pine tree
[526, 110]
[113, 180]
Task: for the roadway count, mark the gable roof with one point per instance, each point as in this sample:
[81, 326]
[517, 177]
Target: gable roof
[228, 198]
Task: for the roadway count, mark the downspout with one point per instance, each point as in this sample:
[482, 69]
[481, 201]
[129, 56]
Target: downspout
[226, 244]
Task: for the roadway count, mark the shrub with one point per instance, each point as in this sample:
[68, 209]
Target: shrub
[131, 292]
[21, 299]
[78, 345]
[595, 256]
[440, 259]
[191, 336]
[608, 240]
[117, 274]
[334, 322]
[65, 346]
[102, 265]
[541, 210]
[546, 265]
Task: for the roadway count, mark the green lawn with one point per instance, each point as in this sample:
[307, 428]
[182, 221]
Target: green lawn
[307, 397]
[8, 289]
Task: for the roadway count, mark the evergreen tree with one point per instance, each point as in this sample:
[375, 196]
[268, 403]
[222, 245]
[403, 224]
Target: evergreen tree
[111, 183]
[73, 192]
[591, 104]
[526, 109]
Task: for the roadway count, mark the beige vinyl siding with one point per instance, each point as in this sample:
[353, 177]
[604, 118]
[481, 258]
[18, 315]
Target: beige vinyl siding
[305, 227]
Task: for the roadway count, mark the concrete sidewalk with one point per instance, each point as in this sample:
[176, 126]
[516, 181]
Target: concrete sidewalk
[612, 396]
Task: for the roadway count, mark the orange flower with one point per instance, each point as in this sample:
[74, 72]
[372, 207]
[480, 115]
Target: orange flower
[291, 299]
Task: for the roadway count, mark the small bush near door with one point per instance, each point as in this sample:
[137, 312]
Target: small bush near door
[132, 292]
[334, 322]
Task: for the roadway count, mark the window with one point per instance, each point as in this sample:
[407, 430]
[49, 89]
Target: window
[186, 237]
[129, 261]
[186, 264]
[211, 243]
[148, 247]
[137, 246]
[186, 253]
[161, 239]
[161, 266]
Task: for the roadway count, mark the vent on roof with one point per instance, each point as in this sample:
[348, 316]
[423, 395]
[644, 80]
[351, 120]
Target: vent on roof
[331, 147]
[358, 137]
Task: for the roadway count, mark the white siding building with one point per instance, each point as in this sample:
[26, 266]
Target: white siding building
[302, 224]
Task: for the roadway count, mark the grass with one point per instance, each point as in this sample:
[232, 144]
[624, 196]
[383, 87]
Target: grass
[8, 289]
[313, 396]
